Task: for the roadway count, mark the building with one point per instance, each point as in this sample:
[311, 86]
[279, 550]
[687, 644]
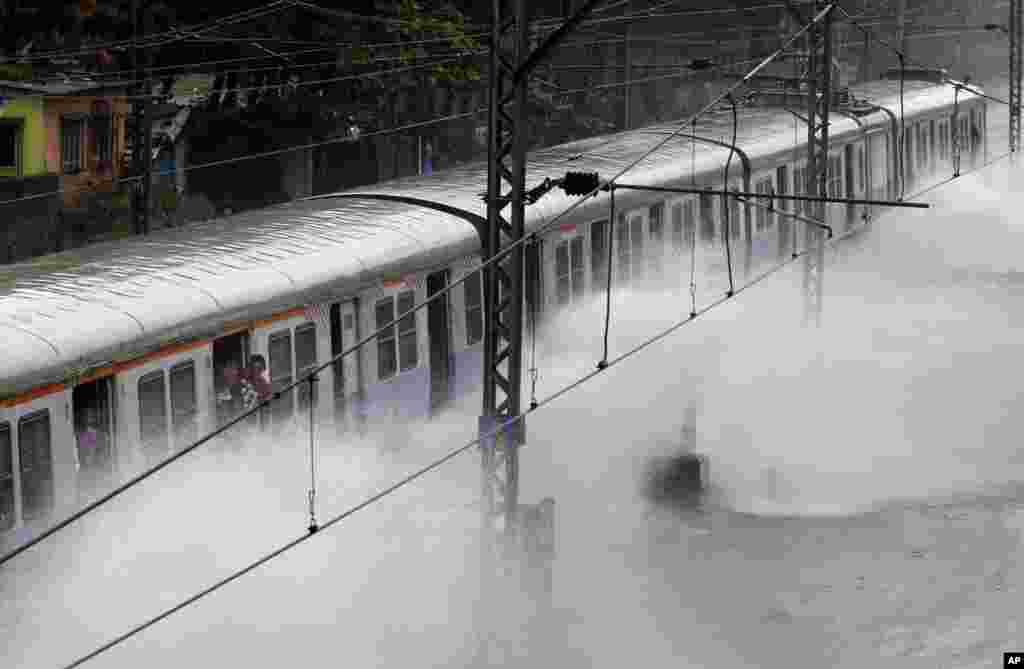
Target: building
[60, 146]
[71, 129]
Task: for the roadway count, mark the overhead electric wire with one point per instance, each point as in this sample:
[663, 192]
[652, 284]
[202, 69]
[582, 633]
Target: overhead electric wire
[283, 84]
[497, 257]
[237, 17]
[564, 390]
[899, 52]
[88, 187]
[264, 154]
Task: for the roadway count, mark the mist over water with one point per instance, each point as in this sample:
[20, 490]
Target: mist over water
[908, 390]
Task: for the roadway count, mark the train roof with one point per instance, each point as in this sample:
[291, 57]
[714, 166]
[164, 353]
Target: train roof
[118, 300]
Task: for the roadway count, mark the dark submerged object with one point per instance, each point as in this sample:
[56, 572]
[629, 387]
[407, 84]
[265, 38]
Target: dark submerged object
[677, 480]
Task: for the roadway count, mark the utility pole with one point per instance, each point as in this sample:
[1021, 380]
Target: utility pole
[1015, 73]
[627, 72]
[511, 63]
[901, 26]
[819, 99]
[142, 144]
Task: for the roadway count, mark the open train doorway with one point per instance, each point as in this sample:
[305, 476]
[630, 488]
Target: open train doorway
[93, 411]
[230, 357]
[440, 342]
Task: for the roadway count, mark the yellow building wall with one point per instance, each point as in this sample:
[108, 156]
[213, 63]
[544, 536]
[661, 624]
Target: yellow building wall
[28, 111]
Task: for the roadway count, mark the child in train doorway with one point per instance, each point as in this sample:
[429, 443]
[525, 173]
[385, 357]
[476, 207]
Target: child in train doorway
[260, 384]
[88, 455]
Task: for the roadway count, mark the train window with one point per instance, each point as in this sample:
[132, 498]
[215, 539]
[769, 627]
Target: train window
[707, 218]
[569, 281]
[183, 402]
[152, 410]
[576, 258]
[763, 216]
[677, 228]
[734, 216]
[689, 223]
[835, 177]
[922, 144]
[862, 173]
[622, 249]
[36, 465]
[407, 348]
[279, 349]
[305, 361]
[798, 189]
[562, 287]
[6, 478]
[657, 228]
[931, 139]
[472, 293]
[598, 251]
[387, 355]
[636, 234]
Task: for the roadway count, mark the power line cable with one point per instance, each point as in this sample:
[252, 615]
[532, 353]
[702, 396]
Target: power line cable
[238, 17]
[88, 187]
[903, 56]
[264, 154]
[416, 307]
[564, 390]
[297, 84]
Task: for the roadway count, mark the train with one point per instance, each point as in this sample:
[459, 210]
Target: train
[129, 340]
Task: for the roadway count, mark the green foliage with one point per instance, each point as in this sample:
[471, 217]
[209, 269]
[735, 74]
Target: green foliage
[121, 228]
[417, 23]
[121, 200]
[168, 200]
[15, 72]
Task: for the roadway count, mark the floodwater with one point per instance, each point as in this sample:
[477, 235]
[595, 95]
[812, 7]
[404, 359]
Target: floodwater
[864, 507]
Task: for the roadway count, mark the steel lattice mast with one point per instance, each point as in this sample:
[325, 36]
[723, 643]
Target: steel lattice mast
[1014, 30]
[819, 97]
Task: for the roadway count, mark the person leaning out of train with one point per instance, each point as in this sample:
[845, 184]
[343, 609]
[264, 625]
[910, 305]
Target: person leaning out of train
[258, 377]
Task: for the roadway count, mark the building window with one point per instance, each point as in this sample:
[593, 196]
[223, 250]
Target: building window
[6, 478]
[183, 403]
[305, 362]
[598, 254]
[279, 348]
[472, 291]
[9, 145]
[656, 215]
[36, 465]
[152, 410]
[101, 133]
[71, 144]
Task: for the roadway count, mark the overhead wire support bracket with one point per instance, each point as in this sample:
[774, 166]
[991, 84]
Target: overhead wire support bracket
[769, 196]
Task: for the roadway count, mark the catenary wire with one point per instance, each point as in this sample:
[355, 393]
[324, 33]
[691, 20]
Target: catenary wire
[436, 464]
[89, 186]
[237, 17]
[416, 307]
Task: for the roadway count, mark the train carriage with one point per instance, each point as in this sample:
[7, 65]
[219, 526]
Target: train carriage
[115, 354]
